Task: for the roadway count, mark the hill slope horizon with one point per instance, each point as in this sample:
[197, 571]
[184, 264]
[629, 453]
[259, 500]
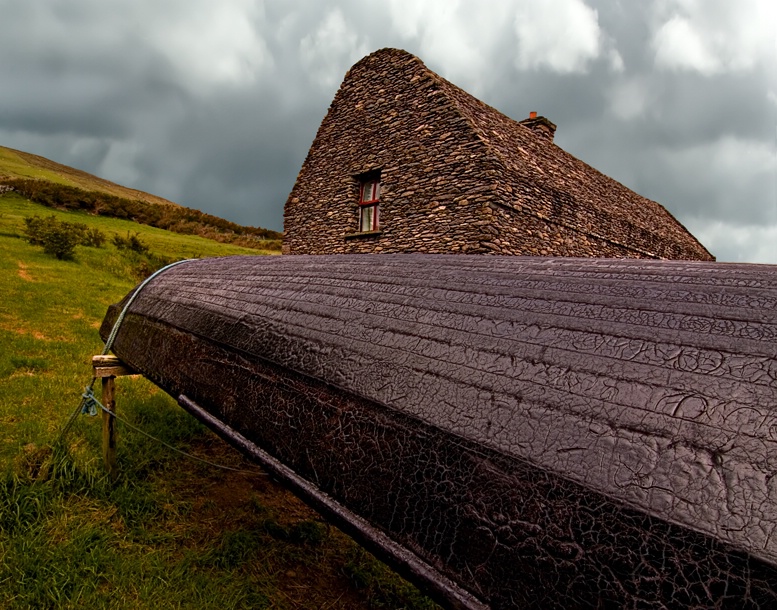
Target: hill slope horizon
[62, 187]
[17, 164]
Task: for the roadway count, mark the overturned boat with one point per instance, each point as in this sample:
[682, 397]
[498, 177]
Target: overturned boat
[507, 432]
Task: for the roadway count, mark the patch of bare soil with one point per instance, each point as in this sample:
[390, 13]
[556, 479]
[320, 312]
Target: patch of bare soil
[23, 272]
[15, 326]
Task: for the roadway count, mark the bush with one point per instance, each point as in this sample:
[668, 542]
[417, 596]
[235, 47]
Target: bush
[94, 238]
[57, 238]
[61, 241]
[35, 229]
[60, 238]
[131, 242]
[170, 217]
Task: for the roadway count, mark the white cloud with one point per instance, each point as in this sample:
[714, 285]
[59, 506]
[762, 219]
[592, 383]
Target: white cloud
[616, 60]
[466, 39]
[212, 42]
[679, 45]
[198, 44]
[457, 37]
[714, 36]
[562, 35]
[751, 244]
[330, 50]
[738, 159]
[630, 99]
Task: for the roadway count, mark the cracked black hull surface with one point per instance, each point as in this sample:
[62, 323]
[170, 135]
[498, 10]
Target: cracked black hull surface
[545, 433]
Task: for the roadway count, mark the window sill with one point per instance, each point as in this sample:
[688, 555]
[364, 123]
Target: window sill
[362, 234]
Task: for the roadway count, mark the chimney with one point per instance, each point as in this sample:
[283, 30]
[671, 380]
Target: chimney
[540, 125]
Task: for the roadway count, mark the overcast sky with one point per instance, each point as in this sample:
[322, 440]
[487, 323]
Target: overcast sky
[214, 104]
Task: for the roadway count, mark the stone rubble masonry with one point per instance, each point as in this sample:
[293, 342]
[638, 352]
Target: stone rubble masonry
[459, 176]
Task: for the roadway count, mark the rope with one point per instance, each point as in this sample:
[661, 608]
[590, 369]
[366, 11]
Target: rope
[92, 400]
[120, 319]
[89, 403]
[85, 406]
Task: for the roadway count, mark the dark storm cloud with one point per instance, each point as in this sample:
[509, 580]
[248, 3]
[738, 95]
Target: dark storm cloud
[214, 105]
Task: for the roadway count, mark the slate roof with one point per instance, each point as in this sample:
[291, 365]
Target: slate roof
[541, 178]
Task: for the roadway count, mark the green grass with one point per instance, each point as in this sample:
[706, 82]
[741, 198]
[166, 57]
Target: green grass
[50, 311]
[169, 533]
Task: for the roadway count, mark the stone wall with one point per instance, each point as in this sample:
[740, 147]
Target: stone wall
[520, 232]
[435, 171]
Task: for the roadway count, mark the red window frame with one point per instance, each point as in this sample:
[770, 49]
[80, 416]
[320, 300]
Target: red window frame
[369, 200]
[370, 191]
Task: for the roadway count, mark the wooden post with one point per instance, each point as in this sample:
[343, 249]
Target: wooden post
[109, 426]
[107, 368]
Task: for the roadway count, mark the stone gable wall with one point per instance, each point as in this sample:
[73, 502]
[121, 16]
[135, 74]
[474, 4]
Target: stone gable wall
[435, 174]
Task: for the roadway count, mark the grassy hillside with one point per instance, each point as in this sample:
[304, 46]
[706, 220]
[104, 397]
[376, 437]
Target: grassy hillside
[18, 164]
[170, 533]
[60, 187]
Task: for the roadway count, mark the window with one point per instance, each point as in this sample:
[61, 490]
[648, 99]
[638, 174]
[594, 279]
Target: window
[369, 199]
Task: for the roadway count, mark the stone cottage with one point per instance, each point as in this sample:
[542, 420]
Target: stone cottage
[405, 161]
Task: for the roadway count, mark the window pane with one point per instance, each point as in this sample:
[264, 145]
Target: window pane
[370, 191]
[366, 218]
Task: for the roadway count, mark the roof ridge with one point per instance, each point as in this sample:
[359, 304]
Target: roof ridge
[466, 115]
[498, 154]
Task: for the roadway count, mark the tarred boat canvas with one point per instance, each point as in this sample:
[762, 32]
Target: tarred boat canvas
[510, 432]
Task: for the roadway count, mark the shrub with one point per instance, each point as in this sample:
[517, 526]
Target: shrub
[61, 241]
[60, 238]
[57, 238]
[94, 238]
[35, 229]
[131, 242]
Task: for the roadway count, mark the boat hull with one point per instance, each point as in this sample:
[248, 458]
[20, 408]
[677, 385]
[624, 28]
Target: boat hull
[522, 433]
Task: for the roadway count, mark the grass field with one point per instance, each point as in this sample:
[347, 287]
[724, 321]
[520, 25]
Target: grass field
[170, 532]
